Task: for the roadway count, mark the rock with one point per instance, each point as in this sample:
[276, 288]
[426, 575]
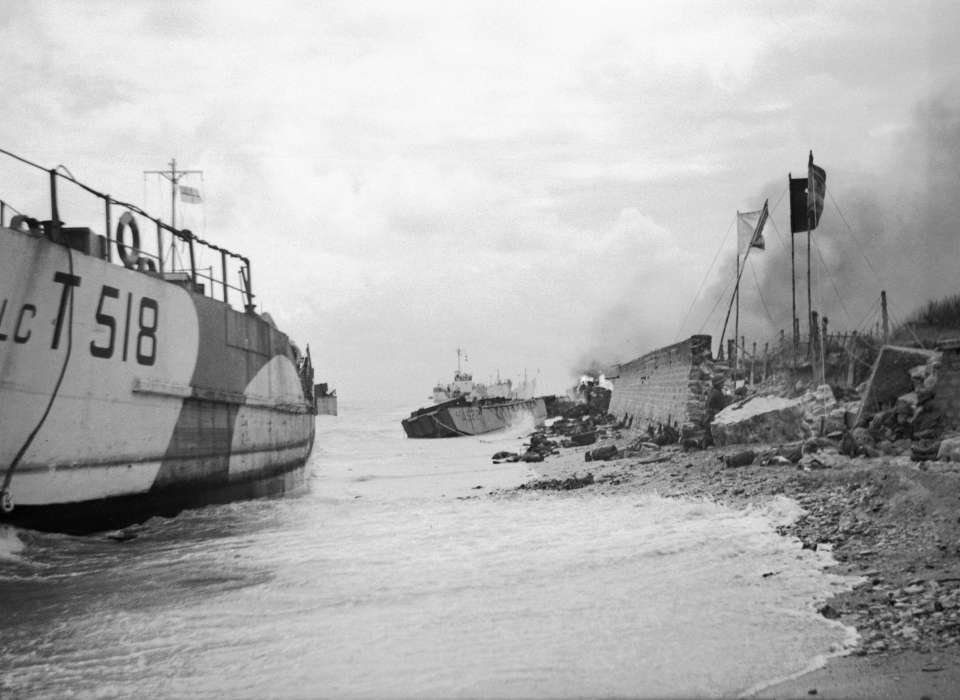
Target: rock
[739, 459]
[924, 450]
[829, 612]
[949, 449]
[769, 419]
[792, 453]
[607, 452]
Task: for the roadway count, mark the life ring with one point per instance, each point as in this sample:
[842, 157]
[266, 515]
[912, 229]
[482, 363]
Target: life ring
[130, 255]
[18, 221]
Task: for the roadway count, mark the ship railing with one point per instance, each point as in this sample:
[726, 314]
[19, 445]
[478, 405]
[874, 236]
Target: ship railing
[150, 262]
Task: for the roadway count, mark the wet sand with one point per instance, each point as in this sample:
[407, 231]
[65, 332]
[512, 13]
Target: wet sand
[893, 522]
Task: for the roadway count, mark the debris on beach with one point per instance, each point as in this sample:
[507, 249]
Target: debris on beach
[568, 484]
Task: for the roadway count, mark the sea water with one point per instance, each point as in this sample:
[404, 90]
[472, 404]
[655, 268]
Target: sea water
[404, 571]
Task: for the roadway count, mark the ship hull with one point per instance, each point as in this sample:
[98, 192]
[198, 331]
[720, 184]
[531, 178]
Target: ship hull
[460, 418]
[124, 396]
[85, 517]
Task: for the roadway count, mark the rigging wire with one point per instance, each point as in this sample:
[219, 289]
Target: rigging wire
[703, 282]
[860, 246]
[870, 315]
[756, 282]
[901, 324]
[10, 206]
[833, 283]
[720, 297]
[203, 204]
[770, 218]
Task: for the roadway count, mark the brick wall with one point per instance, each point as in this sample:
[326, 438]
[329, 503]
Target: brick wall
[668, 386]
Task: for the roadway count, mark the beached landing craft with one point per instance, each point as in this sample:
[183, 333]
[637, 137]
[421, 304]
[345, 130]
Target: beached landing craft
[125, 390]
[461, 416]
[467, 408]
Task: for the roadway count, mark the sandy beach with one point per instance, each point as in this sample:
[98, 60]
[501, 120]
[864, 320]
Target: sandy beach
[892, 522]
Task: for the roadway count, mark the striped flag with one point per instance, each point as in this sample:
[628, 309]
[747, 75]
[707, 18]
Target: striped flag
[816, 190]
[750, 228]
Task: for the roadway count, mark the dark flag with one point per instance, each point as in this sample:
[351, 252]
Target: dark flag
[816, 190]
[798, 204]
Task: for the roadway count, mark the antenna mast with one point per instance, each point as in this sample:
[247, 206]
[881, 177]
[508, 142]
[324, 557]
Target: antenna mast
[173, 175]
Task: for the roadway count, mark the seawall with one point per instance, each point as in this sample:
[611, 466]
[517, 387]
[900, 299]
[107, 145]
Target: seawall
[668, 386]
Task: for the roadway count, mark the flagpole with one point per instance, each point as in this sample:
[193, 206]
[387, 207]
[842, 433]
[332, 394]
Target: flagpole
[809, 295]
[736, 318]
[793, 279]
[733, 296]
[811, 191]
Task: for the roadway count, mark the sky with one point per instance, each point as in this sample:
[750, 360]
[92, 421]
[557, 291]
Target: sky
[548, 185]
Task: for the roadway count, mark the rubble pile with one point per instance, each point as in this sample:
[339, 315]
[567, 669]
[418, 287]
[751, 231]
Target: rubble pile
[769, 419]
[578, 427]
[568, 484]
[913, 425]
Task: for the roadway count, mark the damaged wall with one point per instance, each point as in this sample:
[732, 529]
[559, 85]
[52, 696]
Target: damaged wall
[947, 396]
[891, 378]
[668, 386]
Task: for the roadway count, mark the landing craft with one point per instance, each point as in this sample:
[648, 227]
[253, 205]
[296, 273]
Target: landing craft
[126, 389]
[463, 407]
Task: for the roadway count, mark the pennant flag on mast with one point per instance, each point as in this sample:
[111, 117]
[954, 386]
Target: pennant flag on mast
[750, 228]
[816, 190]
[806, 198]
[189, 194]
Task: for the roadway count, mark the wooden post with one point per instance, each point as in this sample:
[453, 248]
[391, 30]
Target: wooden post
[812, 345]
[753, 364]
[766, 359]
[109, 223]
[223, 269]
[823, 351]
[886, 320]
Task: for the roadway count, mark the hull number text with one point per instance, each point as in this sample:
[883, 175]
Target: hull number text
[127, 324]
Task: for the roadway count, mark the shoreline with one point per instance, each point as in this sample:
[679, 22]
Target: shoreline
[892, 522]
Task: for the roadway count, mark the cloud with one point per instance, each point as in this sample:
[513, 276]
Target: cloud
[539, 182]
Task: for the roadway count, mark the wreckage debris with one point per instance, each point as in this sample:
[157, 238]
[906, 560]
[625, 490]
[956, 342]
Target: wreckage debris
[602, 454]
[568, 484]
[739, 459]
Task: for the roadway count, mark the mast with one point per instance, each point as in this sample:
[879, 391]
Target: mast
[810, 320]
[174, 176]
[736, 292]
[793, 278]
